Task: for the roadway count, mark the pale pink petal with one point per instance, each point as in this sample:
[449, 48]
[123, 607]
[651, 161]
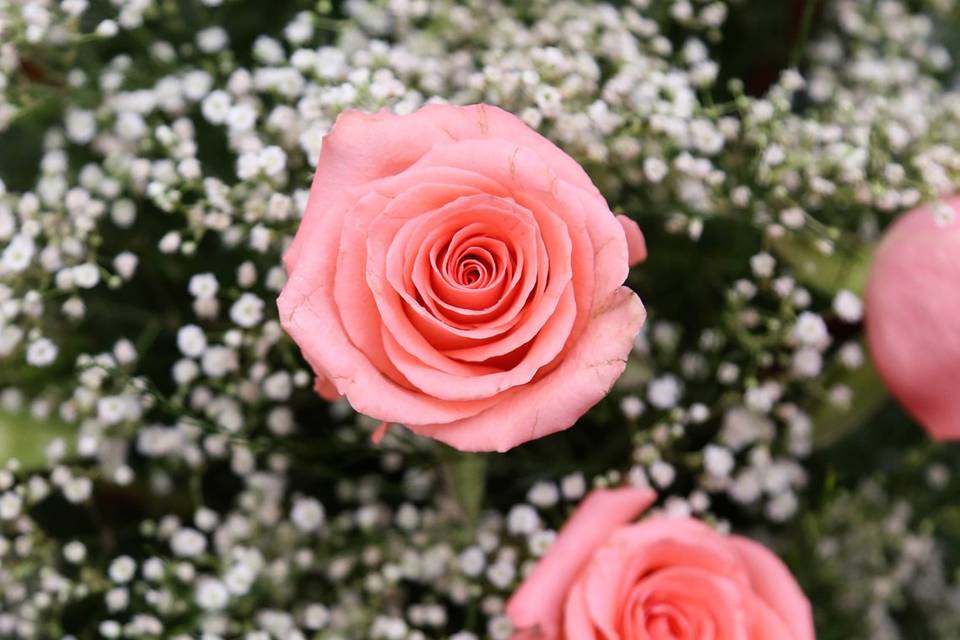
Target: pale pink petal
[409, 270]
[414, 331]
[557, 400]
[636, 244]
[363, 147]
[325, 389]
[538, 603]
[913, 317]
[774, 583]
[308, 315]
[543, 350]
[712, 605]
[577, 622]
[555, 264]
[765, 622]
[354, 299]
[652, 544]
[399, 311]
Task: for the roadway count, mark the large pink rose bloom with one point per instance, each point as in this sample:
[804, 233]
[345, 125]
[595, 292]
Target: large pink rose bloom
[913, 317]
[457, 273]
[660, 579]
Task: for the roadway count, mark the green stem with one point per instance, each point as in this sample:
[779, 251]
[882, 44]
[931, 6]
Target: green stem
[809, 10]
[465, 475]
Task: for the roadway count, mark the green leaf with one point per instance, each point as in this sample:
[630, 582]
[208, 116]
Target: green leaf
[24, 438]
[846, 268]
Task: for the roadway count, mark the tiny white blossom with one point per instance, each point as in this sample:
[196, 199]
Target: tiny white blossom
[662, 473]
[500, 628]
[216, 106]
[185, 371]
[78, 490]
[501, 574]
[278, 386]
[125, 264]
[74, 551]
[247, 311]
[122, 569]
[654, 169]
[851, 355]
[170, 242]
[86, 276]
[541, 541]
[632, 407]
[211, 594]
[191, 341]
[218, 360]
[107, 29]
[664, 392]
[203, 286]
[273, 160]
[41, 352]
[316, 616]
[523, 520]
[212, 39]
[848, 306]
[472, 561]
[113, 409]
[307, 514]
[188, 542]
[807, 362]
[763, 265]
[10, 505]
[573, 486]
[793, 218]
[543, 494]
[18, 254]
[81, 126]
[810, 329]
[718, 461]
[74, 7]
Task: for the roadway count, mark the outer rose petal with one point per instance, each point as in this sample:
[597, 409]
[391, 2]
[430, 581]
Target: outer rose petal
[308, 315]
[913, 317]
[362, 147]
[636, 244]
[773, 582]
[536, 609]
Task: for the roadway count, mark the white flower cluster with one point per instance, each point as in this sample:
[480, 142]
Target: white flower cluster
[871, 536]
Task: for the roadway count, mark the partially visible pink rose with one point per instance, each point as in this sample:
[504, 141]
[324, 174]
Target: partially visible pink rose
[662, 578]
[457, 273]
[913, 316]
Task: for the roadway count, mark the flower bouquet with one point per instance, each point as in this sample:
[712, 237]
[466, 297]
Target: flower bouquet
[520, 320]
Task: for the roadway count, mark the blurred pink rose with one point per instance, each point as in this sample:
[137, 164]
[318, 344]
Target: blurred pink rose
[457, 273]
[661, 578]
[913, 316]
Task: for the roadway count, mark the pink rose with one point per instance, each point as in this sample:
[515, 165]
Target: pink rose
[663, 578]
[913, 316]
[459, 274]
